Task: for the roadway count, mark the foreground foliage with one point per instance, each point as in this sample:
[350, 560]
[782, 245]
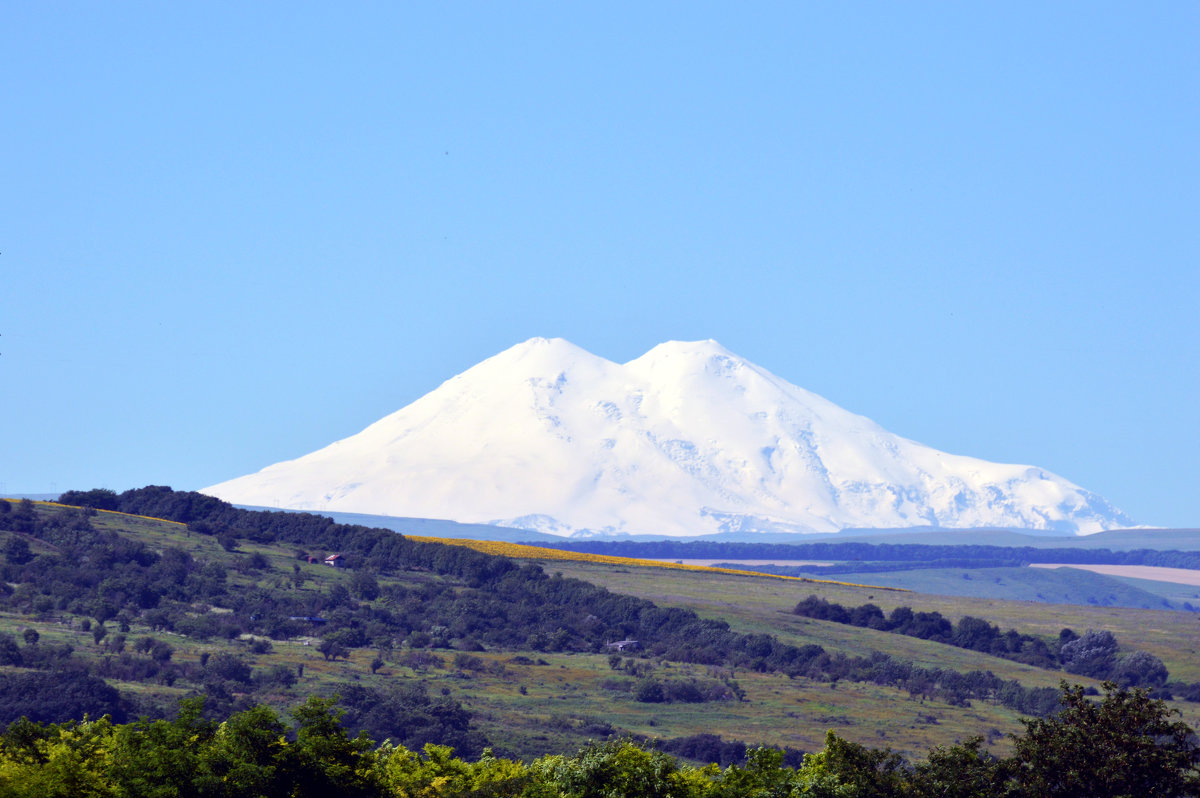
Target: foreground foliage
[1126, 744]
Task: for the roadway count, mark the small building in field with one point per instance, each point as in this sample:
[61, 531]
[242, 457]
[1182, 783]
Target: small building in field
[624, 645]
[336, 561]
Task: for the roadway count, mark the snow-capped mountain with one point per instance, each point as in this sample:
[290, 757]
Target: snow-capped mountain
[687, 439]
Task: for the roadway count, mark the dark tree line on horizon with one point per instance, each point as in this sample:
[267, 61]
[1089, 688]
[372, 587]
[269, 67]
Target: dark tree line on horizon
[861, 557]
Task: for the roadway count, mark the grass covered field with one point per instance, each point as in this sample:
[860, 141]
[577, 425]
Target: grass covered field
[533, 702]
[760, 605]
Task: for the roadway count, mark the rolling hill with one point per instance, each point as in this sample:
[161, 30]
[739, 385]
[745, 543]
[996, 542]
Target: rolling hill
[434, 642]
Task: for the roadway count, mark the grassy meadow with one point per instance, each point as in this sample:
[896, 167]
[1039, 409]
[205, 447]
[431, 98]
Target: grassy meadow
[530, 703]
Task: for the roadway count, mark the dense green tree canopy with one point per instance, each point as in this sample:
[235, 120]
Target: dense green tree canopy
[1125, 744]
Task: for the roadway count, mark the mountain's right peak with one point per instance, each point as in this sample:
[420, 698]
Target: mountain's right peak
[704, 350]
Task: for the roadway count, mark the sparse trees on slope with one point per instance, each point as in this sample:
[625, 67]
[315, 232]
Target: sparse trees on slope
[1093, 655]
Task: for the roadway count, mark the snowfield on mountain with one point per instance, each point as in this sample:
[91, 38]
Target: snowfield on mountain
[687, 439]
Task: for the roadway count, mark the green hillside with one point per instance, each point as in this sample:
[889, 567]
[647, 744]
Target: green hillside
[1054, 586]
[432, 643]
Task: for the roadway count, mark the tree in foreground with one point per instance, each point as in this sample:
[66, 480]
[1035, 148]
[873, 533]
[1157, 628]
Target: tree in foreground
[1123, 745]
[964, 770]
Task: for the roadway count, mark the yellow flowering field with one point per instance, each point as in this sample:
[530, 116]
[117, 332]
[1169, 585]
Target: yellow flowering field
[524, 552]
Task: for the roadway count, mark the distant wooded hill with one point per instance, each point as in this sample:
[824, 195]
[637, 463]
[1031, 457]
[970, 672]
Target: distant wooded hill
[862, 557]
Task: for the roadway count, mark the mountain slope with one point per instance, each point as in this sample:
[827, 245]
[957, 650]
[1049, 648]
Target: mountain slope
[686, 439]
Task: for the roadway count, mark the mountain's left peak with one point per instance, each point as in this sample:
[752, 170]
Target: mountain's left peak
[544, 356]
[543, 347]
[538, 342]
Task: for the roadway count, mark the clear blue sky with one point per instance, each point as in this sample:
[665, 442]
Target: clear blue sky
[231, 233]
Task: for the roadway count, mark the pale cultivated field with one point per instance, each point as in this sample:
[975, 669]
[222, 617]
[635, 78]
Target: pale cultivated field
[1179, 576]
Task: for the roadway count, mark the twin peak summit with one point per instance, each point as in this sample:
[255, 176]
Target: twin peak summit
[687, 439]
